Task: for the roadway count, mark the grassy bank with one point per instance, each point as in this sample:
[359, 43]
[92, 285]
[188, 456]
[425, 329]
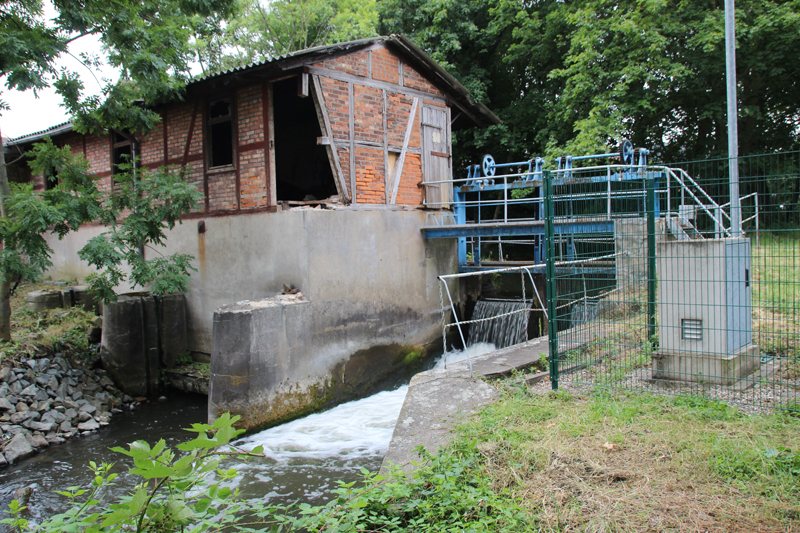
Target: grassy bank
[42, 334]
[640, 463]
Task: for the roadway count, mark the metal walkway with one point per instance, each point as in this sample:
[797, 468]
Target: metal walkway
[515, 203]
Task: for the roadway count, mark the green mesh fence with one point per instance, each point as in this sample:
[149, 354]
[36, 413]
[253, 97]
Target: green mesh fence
[649, 289]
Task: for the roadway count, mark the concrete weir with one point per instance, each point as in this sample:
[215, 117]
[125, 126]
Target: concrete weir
[279, 358]
[440, 399]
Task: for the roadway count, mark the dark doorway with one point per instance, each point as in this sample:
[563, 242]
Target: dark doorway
[303, 172]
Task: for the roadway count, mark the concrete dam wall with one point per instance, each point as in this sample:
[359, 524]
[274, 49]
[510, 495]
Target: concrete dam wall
[370, 298]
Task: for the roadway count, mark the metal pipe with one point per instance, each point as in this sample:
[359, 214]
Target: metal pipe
[733, 117]
[458, 324]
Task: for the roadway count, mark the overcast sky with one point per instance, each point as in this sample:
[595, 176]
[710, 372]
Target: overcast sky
[28, 114]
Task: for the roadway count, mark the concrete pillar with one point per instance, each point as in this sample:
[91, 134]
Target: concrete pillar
[130, 343]
[171, 328]
[41, 301]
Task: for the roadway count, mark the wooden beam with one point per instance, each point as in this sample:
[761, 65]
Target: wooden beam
[398, 166]
[190, 134]
[235, 119]
[375, 84]
[325, 126]
[400, 78]
[269, 151]
[385, 146]
[351, 117]
[302, 85]
[164, 131]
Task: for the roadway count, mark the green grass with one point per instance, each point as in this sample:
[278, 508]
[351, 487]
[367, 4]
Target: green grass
[38, 334]
[613, 462]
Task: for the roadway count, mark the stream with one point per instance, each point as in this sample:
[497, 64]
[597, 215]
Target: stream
[303, 460]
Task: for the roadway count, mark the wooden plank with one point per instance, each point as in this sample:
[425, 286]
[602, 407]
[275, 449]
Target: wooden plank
[204, 149]
[398, 166]
[400, 77]
[436, 156]
[252, 146]
[385, 147]
[325, 126]
[236, 165]
[344, 143]
[375, 84]
[351, 117]
[190, 134]
[302, 85]
[269, 139]
[449, 137]
[163, 130]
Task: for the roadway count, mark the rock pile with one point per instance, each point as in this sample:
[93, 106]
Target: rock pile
[45, 402]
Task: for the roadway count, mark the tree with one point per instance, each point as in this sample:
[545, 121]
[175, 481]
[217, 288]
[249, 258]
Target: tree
[149, 42]
[263, 31]
[575, 77]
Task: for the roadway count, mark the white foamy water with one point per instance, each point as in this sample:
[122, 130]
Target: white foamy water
[362, 428]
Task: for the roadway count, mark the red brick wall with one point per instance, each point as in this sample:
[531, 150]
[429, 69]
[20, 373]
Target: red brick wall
[151, 147]
[385, 66]
[252, 179]
[369, 176]
[355, 64]
[368, 121]
[337, 102]
[221, 191]
[368, 114]
[252, 162]
[250, 115]
[413, 80]
[251, 169]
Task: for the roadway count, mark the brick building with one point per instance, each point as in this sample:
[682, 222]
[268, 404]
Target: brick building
[364, 122]
[319, 170]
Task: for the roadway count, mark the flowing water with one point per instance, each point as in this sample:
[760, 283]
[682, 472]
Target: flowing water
[303, 459]
[494, 328]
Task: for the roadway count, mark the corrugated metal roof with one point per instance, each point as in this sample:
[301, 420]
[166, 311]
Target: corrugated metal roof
[479, 113]
[64, 127]
[316, 50]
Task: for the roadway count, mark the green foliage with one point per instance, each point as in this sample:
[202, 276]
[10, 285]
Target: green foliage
[263, 31]
[191, 492]
[447, 493]
[575, 77]
[149, 41]
[74, 201]
[141, 207]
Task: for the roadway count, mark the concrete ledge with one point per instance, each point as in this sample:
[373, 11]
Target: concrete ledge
[716, 369]
[441, 399]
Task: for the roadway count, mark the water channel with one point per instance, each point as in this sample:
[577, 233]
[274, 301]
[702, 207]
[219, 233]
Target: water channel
[303, 459]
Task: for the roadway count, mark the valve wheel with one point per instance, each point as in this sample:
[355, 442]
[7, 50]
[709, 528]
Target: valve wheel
[626, 152]
[487, 165]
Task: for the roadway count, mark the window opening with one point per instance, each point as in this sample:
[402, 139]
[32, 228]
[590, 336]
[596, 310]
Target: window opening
[303, 171]
[121, 150]
[392, 160]
[220, 133]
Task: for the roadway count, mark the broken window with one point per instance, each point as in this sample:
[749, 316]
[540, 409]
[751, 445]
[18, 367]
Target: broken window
[220, 133]
[303, 171]
[121, 152]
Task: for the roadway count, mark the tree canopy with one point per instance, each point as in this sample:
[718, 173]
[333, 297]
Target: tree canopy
[265, 30]
[578, 76]
[149, 41]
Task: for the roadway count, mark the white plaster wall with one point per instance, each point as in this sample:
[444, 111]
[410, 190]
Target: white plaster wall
[359, 261]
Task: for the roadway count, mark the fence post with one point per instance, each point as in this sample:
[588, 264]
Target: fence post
[550, 272]
[651, 257]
